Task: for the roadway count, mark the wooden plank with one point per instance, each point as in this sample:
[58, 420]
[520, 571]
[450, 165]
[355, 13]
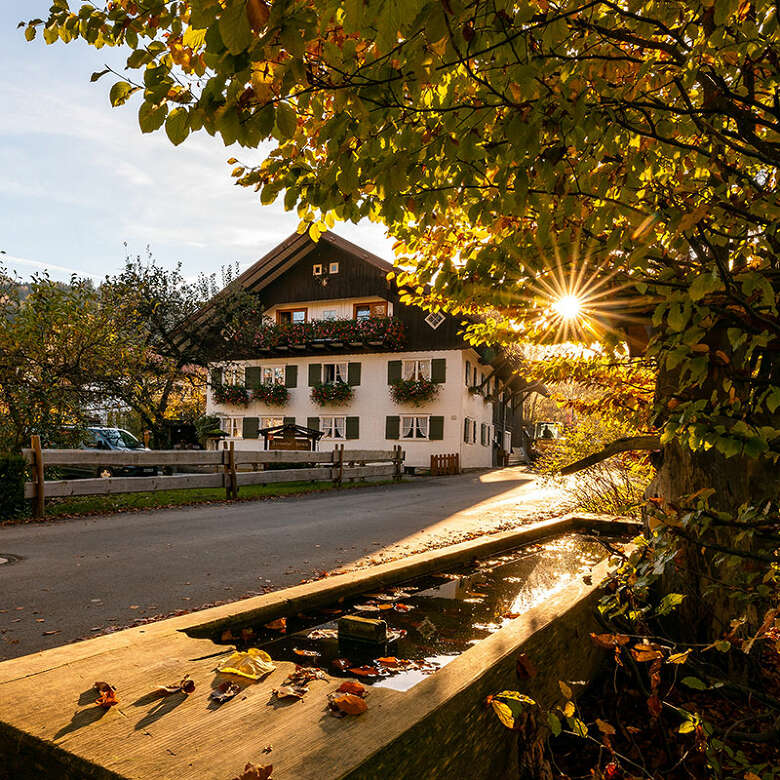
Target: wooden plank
[112, 485]
[324, 473]
[127, 458]
[368, 455]
[281, 456]
[369, 471]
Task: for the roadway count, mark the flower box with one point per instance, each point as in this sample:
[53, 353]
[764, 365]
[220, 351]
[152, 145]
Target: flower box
[237, 395]
[335, 393]
[413, 391]
[271, 393]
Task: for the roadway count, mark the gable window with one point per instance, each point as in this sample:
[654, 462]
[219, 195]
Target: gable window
[414, 427]
[334, 372]
[271, 422]
[364, 311]
[273, 375]
[232, 426]
[416, 369]
[317, 269]
[291, 315]
[333, 268]
[334, 427]
[434, 319]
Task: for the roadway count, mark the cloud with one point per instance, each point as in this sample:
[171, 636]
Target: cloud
[12, 260]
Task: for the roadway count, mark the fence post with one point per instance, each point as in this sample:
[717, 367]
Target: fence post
[397, 461]
[38, 481]
[225, 470]
[338, 464]
[232, 466]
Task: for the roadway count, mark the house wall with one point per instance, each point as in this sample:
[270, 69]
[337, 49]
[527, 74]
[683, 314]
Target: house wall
[372, 404]
[315, 310]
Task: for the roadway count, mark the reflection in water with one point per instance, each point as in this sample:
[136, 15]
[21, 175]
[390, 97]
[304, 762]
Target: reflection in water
[436, 617]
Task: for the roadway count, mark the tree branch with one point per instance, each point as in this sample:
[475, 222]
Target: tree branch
[619, 445]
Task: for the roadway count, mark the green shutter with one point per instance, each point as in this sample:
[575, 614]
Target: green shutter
[393, 373]
[289, 421]
[315, 373]
[251, 427]
[439, 370]
[392, 427]
[466, 428]
[313, 423]
[291, 376]
[353, 427]
[216, 377]
[353, 374]
[252, 376]
[436, 428]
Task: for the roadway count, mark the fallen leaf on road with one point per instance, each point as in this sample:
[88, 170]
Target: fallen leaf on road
[255, 772]
[50, 633]
[225, 692]
[253, 664]
[108, 697]
[186, 685]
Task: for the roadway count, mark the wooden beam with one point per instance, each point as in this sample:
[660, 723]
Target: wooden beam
[112, 485]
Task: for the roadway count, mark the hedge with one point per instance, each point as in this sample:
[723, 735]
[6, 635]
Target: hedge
[12, 473]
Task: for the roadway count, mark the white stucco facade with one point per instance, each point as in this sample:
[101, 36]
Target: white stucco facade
[372, 405]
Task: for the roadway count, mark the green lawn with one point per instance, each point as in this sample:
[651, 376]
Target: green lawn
[87, 505]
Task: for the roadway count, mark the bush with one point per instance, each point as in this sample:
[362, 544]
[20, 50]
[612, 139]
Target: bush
[614, 486]
[12, 472]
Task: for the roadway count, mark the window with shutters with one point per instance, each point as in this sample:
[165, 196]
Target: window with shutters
[271, 422]
[416, 369]
[467, 430]
[468, 373]
[273, 375]
[334, 372]
[232, 426]
[334, 427]
[233, 375]
[473, 431]
[415, 427]
[482, 434]
[364, 311]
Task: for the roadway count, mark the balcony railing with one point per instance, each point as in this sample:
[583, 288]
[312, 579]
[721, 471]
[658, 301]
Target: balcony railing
[377, 332]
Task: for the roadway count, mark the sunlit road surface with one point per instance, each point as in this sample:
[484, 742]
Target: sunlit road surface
[77, 578]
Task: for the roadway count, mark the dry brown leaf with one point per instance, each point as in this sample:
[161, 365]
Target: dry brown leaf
[280, 624]
[348, 704]
[255, 772]
[349, 686]
[290, 691]
[225, 692]
[107, 697]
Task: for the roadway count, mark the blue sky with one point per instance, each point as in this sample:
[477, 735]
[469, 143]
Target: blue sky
[78, 179]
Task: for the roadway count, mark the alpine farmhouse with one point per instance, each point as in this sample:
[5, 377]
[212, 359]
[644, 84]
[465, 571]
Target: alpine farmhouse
[338, 352]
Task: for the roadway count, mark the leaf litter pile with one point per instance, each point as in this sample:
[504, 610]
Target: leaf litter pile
[430, 620]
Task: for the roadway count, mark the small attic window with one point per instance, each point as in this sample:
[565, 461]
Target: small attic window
[334, 268]
[434, 319]
[316, 269]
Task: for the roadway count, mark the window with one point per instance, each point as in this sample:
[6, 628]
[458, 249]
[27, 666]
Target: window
[507, 441]
[434, 319]
[273, 375]
[334, 427]
[467, 430]
[364, 311]
[271, 422]
[291, 315]
[233, 375]
[468, 373]
[233, 426]
[330, 314]
[413, 427]
[334, 372]
[473, 431]
[483, 434]
[333, 268]
[316, 269]
[416, 369]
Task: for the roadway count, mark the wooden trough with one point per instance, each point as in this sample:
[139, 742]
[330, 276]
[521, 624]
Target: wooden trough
[440, 728]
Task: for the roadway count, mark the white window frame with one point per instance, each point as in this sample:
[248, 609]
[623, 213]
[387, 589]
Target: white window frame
[434, 319]
[416, 369]
[233, 426]
[271, 422]
[333, 268]
[329, 315]
[331, 427]
[316, 269]
[338, 368]
[277, 374]
[419, 432]
[233, 375]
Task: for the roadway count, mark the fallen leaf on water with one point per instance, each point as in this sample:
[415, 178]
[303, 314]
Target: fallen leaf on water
[323, 633]
[290, 691]
[185, 686]
[108, 697]
[247, 633]
[366, 608]
[346, 704]
[307, 653]
[385, 606]
[403, 607]
[342, 664]
[253, 664]
[255, 772]
[225, 691]
[280, 624]
[350, 686]
[227, 636]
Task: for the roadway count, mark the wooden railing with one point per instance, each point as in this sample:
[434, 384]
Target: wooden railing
[335, 466]
[445, 464]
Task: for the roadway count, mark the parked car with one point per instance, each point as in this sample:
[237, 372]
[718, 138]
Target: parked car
[100, 438]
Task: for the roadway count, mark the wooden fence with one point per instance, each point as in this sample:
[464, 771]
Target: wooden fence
[445, 464]
[335, 466]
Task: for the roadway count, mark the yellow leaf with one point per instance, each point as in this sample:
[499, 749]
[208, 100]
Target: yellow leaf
[604, 727]
[678, 658]
[565, 690]
[568, 709]
[503, 712]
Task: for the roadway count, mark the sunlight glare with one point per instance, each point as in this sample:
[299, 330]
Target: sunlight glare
[568, 307]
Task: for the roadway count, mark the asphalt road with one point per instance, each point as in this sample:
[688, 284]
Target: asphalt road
[69, 579]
